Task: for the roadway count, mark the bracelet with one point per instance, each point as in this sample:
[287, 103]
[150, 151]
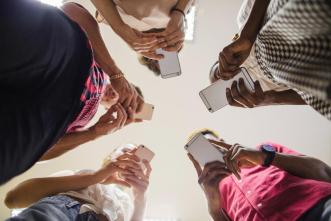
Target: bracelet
[179, 10]
[116, 76]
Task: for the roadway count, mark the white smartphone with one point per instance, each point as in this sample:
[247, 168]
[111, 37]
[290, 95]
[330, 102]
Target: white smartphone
[214, 96]
[146, 113]
[203, 151]
[169, 65]
[144, 154]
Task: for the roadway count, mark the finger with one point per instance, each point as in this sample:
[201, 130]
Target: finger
[226, 65]
[127, 164]
[237, 96]
[214, 166]
[134, 103]
[145, 41]
[247, 95]
[108, 116]
[227, 159]
[129, 156]
[230, 99]
[174, 38]
[177, 47]
[123, 115]
[229, 163]
[148, 168]
[120, 182]
[152, 55]
[134, 181]
[258, 89]
[235, 161]
[195, 164]
[220, 144]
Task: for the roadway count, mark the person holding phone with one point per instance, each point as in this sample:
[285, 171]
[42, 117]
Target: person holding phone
[57, 71]
[146, 25]
[270, 182]
[290, 53]
[86, 194]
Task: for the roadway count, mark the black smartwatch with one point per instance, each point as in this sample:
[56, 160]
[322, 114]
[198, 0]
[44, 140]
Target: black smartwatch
[270, 152]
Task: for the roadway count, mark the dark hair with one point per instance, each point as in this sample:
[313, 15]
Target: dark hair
[151, 64]
[139, 91]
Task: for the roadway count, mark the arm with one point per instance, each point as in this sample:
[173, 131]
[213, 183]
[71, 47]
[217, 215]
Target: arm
[69, 142]
[255, 20]
[184, 5]
[145, 45]
[18, 197]
[233, 55]
[209, 178]
[128, 95]
[105, 125]
[301, 166]
[89, 24]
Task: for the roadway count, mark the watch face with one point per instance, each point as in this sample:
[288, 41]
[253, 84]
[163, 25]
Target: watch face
[268, 148]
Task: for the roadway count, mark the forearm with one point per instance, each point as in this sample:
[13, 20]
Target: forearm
[184, 5]
[69, 142]
[303, 166]
[255, 20]
[30, 191]
[139, 209]
[214, 206]
[288, 97]
[89, 24]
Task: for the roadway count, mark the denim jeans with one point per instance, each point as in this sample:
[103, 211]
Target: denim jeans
[55, 208]
[320, 212]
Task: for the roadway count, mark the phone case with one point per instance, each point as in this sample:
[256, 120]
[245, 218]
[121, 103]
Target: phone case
[203, 151]
[146, 113]
[169, 65]
[214, 96]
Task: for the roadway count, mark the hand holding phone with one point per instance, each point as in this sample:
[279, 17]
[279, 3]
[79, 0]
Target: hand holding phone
[144, 154]
[214, 96]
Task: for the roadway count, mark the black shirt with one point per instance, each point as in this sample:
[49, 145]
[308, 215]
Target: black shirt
[44, 62]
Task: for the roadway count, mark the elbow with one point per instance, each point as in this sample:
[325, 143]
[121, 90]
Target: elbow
[10, 200]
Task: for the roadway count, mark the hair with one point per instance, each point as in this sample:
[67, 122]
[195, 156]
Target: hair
[204, 131]
[151, 64]
[139, 91]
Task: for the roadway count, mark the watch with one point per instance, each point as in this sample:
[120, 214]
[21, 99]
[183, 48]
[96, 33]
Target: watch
[270, 152]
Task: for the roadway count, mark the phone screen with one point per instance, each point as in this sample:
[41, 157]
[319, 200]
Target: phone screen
[169, 65]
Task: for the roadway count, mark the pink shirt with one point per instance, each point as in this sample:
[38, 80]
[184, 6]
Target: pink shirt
[270, 194]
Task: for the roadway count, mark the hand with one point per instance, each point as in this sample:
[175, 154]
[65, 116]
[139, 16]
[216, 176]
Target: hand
[125, 164]
[210, 176]
[139, 181]
[144, 44]
[174, 34]
[232, 56]
[129, 97]
[243, 157]
[240, 96]
[107, 123]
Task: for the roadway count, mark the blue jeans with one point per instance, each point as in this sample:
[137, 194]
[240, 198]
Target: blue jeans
[55, 208]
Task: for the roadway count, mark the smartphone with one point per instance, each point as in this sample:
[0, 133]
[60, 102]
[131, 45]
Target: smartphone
[214, 96]
[146, 113]
[144, 154]
[203, 151]
[169, 65]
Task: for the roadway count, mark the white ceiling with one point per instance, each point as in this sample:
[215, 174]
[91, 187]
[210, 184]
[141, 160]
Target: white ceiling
[174, 191]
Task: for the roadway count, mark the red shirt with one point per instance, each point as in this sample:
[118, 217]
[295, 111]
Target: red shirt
[90, 98]
[270, 194]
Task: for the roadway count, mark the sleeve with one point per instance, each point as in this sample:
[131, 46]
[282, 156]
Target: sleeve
[321, 106]
[244, 12]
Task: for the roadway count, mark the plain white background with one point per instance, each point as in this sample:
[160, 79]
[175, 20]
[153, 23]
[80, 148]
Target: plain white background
[174, 191]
